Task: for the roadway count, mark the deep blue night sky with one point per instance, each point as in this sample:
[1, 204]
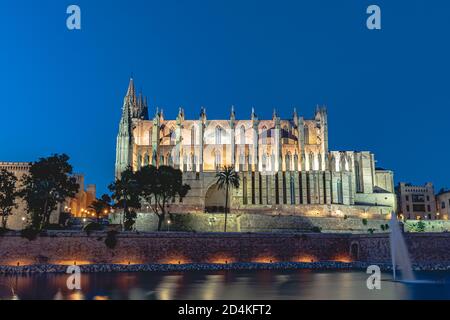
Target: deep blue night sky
[386, 91]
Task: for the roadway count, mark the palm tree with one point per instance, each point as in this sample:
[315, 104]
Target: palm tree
[225, 178]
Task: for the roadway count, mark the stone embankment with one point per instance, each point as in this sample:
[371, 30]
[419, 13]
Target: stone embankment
[173, 251]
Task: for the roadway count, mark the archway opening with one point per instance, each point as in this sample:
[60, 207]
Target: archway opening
[215, 199]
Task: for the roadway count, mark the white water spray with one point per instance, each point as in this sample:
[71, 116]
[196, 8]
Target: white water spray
[399, 251]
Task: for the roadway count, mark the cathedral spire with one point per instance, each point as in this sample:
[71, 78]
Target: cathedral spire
[253, 116]
[131, 92]
[232, 117]
[180, 116]
[202, 113]
[124, 141]
[295, 117]
[232, 114]
[144, 109]
[181, 112]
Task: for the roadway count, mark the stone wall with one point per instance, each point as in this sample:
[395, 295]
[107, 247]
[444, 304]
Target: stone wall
[203, 222]
[429, 226]
[422, 247]
[178, 248]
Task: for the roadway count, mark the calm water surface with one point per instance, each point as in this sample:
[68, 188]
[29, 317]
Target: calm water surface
[265, 284]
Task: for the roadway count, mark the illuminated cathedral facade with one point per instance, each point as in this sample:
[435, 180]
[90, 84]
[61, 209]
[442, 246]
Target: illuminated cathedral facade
[285, 165]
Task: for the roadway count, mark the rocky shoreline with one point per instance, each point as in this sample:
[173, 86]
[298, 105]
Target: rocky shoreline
[246, 266]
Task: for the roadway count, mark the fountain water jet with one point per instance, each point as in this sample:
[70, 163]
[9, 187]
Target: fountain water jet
[399, 251]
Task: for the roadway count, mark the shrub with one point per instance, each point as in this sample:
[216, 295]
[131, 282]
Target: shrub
[382, 227]
[316, 229]
[420, 226]
[371, 230]
[29, 233]
[364, 221]
[111, 239]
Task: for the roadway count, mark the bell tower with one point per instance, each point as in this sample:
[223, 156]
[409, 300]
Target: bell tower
[124, 143]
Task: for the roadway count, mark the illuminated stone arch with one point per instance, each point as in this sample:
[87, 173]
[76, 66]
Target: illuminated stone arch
[215, 199]
[242, 135]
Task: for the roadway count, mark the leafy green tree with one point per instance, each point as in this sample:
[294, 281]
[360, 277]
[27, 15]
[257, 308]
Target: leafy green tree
[101, 206]
[48, 183]
[227, 178]
[125, 193]
[160, 185]
[8, 194]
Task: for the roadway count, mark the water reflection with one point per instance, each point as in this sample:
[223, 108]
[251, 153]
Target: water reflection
[264, 284]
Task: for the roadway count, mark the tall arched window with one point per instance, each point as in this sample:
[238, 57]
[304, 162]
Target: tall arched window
[193, 135]
[272, 162]
[217, 160]
[340, 193]
[169, 160]
[242, 135]
[357, 177]
[185, 163]
[306, 135]
[173, 136]
[264, 135]
[342, 162]
[287, 160]
[295, 162]
[154, 158]
[139, 161]
[285, 134]
[311, 161]
[192, 162]
[333, 164]
[292, 188]
[219, 135]
[319, 160]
